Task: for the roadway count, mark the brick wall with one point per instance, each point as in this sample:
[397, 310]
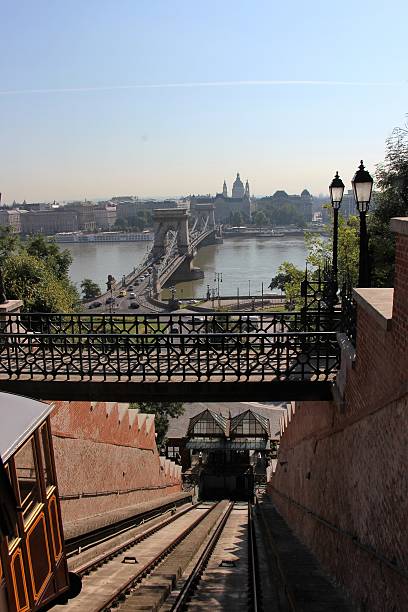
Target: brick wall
[106, 458]
[341, 478]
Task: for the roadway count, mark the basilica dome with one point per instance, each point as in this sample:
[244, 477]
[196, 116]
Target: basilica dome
[238, 190]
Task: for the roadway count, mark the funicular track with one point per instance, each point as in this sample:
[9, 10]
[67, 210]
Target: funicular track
[110, 577]
[198, 592]
[174, 554]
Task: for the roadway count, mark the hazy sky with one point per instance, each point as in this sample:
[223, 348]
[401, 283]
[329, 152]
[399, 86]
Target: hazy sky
[166, 97]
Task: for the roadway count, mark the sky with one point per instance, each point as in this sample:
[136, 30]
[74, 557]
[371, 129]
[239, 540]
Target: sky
[163, 98]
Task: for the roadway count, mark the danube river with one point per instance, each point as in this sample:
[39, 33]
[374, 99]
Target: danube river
[245, 263]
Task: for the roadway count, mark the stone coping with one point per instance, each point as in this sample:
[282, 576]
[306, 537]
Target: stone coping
[378, 303]
[399, 225]
[11, 306]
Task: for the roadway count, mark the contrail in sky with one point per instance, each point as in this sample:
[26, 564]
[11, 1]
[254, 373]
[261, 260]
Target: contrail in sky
[198, 84]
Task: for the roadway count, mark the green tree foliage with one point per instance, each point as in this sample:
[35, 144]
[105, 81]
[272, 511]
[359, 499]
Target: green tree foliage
[282, 213]
[136, 223]
[390, 201]
[49, 251]
[162, 411]
[236, 218]
[90, 289]
[319, 249]
[260, 219]
[289, 278]
[121, 224]
[36, 272]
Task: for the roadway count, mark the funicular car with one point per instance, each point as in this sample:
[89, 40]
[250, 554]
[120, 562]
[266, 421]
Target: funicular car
[33, 566]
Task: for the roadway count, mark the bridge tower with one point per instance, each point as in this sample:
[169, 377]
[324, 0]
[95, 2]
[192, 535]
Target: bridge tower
[165, 219]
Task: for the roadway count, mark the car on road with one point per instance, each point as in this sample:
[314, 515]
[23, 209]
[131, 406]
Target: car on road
[95, 305]
[132, 295]
[134, 305]
[130, 288]
[123, 293]
[110, 300]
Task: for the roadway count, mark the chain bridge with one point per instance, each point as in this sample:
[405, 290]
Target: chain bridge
[177, 237]
[165, 357]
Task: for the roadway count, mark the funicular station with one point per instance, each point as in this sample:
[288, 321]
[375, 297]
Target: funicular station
[229, 455]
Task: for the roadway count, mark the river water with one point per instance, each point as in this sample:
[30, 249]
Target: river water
[245, 263]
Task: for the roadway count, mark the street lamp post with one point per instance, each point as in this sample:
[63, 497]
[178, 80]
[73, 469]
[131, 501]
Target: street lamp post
[336, 196]
[218, 280]
[362, 187]
[212, 296]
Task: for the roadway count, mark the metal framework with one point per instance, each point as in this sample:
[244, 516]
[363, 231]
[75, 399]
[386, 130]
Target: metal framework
[168, 348]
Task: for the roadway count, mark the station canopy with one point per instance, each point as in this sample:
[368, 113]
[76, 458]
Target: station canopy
[211, 431]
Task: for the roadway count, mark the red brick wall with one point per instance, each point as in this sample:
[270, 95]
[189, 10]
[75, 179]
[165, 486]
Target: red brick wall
[110, 450]
[341, 479]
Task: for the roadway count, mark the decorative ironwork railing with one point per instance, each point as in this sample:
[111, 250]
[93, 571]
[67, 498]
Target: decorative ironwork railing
[162, 323]
[179, 357]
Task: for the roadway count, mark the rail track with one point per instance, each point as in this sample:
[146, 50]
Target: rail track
[174, 565]
[77, 545]
[225, 574]
[223, 555]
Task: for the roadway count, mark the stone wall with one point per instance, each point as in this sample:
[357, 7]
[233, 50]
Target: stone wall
[106, 458]
[341, 478]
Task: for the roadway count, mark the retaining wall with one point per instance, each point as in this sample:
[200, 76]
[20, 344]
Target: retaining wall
[341, 478]
[106, 458]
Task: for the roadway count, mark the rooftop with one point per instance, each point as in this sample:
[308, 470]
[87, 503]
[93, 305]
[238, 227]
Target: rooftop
[178, 426]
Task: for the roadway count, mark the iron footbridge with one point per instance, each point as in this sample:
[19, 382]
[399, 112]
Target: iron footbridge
[167, 357]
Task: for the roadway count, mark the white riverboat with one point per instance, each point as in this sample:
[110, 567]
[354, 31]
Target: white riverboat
[80, 238]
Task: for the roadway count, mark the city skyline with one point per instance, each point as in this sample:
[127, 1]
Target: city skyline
[157, 99]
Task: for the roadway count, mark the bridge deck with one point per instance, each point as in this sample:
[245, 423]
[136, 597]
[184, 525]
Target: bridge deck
[74, 357]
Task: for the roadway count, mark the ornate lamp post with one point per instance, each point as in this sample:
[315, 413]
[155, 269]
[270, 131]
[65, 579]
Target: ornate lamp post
[336, 195]
[362, 187]
[218, 280]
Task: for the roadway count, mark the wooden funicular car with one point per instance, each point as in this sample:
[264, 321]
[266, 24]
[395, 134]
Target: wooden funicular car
[33, 567]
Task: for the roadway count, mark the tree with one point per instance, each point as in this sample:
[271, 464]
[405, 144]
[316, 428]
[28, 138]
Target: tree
[320, 248]
[120, 224]
[236, 218]
[162, 411]
[36, 272]
[281, 279]
[48, 250]
[390, 201]
[289, 278]
[31, 280]
[90, 289]
[259, 218]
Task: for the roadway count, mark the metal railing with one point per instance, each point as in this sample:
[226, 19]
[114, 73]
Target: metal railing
[294, 356]
[262, 323]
